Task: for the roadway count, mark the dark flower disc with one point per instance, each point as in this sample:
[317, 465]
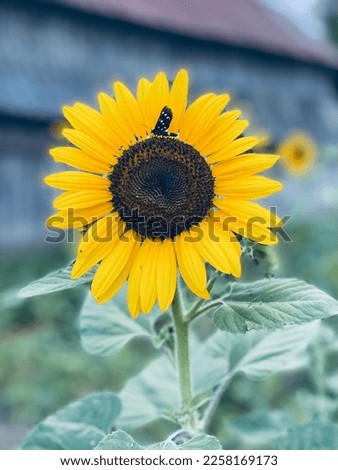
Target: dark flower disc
[161, 187]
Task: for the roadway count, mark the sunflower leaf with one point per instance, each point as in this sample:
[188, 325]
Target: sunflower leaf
[257, 354]
[107, 328]
[201, 441]
[151, 394]
[55, 281]
[272, 304]
[79, 426]
[120, 440]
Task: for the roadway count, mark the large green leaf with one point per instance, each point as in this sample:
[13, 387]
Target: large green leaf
[149, 395]
[201, 441]
[272, 304]
[210, 361]
[120, 440]
[315, 435]
[106, 328]
[259, 354]
[164, 445]
[80, 425]
[256, 354]
[54, 282]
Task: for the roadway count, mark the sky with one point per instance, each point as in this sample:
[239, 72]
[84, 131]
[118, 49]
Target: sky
[305, 13]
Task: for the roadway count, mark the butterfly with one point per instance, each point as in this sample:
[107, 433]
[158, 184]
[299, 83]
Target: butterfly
[163, 123]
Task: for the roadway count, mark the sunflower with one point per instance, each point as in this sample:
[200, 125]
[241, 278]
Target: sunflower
[162, 190]
[298, 153]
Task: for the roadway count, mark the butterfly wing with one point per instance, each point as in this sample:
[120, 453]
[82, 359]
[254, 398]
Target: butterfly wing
[163, 122]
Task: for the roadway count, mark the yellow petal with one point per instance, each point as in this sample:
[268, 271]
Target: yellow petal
[156, 98]
[248, 212]
[238, 146]
[159, 94]
[218, 130]
[90, 122]
[255, 232]
[134, 285]
[143, 98]
[90, 145]
[97, 243]
[194, 112]
[236, 268]
[121, 278]
[234, 250]
[254, 229]
[252, 187]
[147, 263]
[76, 181]
[217, 248]
[244, 165]
[178, 97]
[120, 130]
[112, 265]
[166, 274]
[191, 265]
[201, 116]
[79, 159]
[78, 218]
[142, 293]
[129, 109]
[221, 142]
[82, 199]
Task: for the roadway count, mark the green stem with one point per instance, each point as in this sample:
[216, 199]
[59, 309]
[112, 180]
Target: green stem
[200, 311]
[183, 357]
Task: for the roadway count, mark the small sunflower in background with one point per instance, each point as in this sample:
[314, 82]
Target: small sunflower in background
[163, 188]
[298, 152]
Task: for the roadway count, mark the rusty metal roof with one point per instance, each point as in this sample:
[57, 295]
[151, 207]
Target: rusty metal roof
[244, 23]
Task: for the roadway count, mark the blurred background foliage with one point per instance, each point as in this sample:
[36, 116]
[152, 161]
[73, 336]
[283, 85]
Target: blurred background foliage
[42, 363]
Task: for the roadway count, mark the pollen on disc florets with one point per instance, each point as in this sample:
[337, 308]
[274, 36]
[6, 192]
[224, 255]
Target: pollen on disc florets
[161, 186]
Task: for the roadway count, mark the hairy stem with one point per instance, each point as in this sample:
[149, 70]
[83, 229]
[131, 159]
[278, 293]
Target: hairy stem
[209, 306]
[183, 357]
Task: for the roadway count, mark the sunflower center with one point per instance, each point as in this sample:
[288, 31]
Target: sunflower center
[161, 187]
[299, 153]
